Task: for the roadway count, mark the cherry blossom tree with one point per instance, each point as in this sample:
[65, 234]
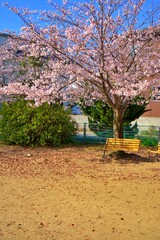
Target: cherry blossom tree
[95, 50]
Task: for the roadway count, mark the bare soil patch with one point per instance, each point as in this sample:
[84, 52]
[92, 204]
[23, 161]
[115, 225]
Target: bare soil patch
[69, 194]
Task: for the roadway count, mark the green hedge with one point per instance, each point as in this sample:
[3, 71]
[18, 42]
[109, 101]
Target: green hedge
[24, 124]
[149, 137]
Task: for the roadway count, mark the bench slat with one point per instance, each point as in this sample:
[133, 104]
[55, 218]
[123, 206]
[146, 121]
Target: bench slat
[123, 148]
[157, 152]
[121, 144]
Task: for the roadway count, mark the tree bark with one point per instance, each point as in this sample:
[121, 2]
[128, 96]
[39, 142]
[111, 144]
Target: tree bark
[118, 123]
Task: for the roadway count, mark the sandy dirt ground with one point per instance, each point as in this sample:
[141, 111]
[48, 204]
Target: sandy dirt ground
[69, 194]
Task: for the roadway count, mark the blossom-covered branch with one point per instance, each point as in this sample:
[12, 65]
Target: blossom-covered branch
[95, 50]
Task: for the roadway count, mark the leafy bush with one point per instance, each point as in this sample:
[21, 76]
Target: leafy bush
[130, 131]
[23, 124]
[149, 137]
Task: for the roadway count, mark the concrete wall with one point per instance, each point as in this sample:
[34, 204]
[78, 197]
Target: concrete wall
[144, 121]
[80, 119]
[148, 121]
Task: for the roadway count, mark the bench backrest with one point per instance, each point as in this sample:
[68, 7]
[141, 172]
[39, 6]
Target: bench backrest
[122, 144]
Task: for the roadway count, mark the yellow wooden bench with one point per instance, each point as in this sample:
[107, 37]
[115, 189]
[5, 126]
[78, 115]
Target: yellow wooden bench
[156, 152]
[121, 144]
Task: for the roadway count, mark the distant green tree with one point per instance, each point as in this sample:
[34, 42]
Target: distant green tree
[100, 117]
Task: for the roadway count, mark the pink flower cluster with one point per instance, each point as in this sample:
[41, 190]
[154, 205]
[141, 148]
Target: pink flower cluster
[93, 50]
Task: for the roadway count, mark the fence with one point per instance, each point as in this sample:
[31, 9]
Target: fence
[93, 133]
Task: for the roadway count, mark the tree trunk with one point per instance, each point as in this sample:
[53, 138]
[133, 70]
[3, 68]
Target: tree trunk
[118, 123]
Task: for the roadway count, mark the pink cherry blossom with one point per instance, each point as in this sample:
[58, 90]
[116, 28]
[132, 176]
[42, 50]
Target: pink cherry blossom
[92, 50]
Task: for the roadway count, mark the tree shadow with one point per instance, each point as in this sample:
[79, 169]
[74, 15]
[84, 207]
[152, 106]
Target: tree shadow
[125, 158]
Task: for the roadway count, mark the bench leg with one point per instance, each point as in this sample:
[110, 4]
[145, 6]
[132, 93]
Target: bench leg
[149, 156]
[103, 155]
[156, 156]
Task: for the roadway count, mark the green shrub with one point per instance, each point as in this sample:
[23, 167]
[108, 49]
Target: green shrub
[149, 137]
[130, 131]
[23, 124]
[149, 141]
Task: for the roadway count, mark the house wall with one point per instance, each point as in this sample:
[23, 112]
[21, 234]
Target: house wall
[154, 107]
[148, 121]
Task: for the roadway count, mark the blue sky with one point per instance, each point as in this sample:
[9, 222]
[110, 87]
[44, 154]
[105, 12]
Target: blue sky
[9, 20]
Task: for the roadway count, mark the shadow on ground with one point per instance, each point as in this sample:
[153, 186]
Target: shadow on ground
[125, 158]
